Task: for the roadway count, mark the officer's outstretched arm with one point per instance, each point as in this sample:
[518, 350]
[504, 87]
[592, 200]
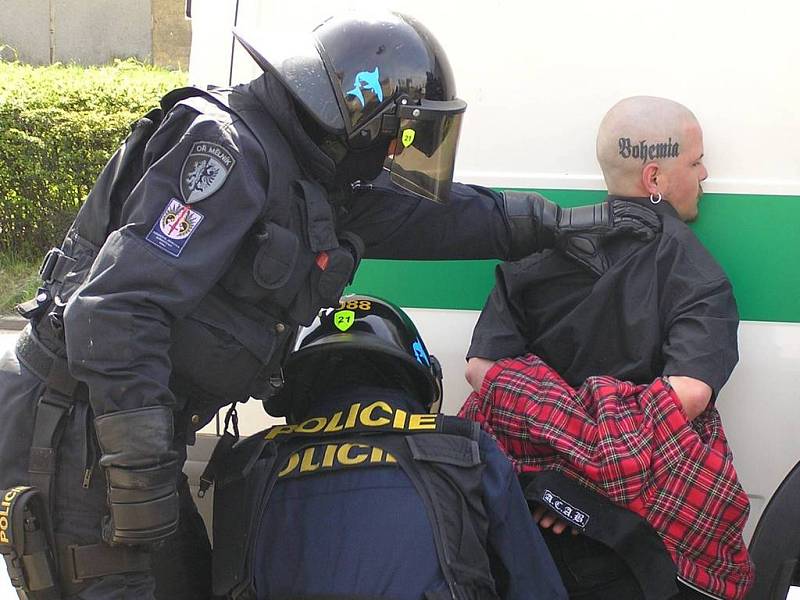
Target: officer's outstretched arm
[481, 223]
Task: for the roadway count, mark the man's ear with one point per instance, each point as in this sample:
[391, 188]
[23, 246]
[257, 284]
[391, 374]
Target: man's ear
[650, 175]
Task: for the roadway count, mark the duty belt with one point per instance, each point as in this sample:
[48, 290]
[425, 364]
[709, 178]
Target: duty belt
[76, 563]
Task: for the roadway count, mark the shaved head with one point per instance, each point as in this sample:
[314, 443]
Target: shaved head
[638, 131]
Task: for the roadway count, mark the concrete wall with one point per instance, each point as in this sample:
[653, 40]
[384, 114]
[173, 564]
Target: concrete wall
[172, 34]
[98, 31]
[92, 32]
[25, 30]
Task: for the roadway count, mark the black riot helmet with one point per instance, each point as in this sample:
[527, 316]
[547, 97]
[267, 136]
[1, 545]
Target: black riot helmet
[374, 82]
[361, 327]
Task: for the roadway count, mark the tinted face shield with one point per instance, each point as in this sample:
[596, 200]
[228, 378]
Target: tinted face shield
[423, 155]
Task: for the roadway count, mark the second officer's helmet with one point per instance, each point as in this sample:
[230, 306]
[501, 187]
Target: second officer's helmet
[372, 82]
[362, 330]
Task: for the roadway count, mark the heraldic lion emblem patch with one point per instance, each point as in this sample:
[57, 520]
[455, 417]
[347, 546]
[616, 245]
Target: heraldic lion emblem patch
[204, 171]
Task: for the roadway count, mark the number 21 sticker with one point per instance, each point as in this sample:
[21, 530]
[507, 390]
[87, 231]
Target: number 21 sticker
[344, 319]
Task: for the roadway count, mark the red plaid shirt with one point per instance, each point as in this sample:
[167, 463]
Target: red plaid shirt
[633, 444]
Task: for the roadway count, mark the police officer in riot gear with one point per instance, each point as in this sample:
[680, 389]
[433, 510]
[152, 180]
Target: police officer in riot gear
[224, 220]
[365, 493]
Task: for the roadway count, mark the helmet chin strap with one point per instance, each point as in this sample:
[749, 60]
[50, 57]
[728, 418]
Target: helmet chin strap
[361, 165]
[351, 165]
[333, 148]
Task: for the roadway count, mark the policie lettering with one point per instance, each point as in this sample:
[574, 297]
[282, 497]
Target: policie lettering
[647, 151]
[378, 415]
[5, 508]
[332, 457]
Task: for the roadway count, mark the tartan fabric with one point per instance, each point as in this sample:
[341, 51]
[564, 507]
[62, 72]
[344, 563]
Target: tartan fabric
[633, 444]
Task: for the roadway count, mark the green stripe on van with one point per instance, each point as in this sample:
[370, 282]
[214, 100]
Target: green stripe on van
[756, 239]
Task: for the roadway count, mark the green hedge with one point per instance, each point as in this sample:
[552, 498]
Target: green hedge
[58, 127]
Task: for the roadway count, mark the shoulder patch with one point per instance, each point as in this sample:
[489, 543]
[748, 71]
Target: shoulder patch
[204, 171]
[174, 227]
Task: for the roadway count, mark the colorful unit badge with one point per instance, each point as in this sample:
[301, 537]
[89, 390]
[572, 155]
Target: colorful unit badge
[174, 227]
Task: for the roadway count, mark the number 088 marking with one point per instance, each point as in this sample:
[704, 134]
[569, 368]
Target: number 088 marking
[355, 304]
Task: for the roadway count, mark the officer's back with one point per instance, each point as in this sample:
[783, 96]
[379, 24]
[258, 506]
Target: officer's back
[370, 495]
[362, 531]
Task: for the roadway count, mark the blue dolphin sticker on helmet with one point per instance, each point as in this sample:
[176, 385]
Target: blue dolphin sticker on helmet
[367, 80]
[420, 354]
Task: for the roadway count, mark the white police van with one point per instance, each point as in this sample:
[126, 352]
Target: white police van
[538, 77]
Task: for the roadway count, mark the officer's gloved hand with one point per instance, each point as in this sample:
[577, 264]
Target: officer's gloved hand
[580, 230]
[536, 223]
[141, 469]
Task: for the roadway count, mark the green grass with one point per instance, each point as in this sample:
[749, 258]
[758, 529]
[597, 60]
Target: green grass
[19, 280]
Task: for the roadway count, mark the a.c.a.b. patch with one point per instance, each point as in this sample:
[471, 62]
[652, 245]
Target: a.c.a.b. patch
[204, 171]
[571, 513]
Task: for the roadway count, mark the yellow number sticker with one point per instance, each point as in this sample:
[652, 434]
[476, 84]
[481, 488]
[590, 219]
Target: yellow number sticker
[408, 137]
[344, 319]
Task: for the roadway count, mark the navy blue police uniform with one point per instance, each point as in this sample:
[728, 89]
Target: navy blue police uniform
[365, 531]
[213, 232]
[367, 494]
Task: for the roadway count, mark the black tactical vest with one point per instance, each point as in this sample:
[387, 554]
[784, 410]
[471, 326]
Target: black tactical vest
[439, 454]
[236, 338]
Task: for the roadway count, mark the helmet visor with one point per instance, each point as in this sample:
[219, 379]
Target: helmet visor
[423, 156]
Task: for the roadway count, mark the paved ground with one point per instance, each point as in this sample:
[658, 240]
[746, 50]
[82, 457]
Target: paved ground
[9, 328]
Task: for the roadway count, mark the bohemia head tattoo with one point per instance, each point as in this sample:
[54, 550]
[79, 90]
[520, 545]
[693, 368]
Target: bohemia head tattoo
[645, 151]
